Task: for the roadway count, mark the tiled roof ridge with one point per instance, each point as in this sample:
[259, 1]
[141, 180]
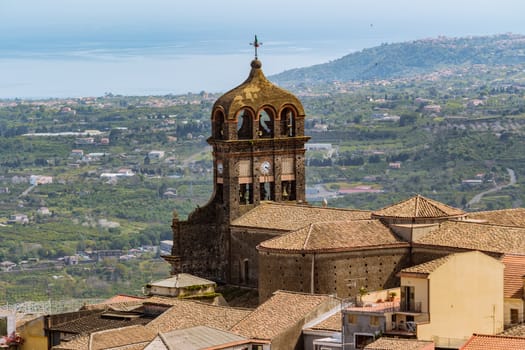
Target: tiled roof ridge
[342, 249]
[485, 223]
[283, 204]
[416, 207]
[282, 291]
[494, 210]
[310, 229]
[197, 302]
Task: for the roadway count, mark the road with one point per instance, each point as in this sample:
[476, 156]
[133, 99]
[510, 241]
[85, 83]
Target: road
[477, 198]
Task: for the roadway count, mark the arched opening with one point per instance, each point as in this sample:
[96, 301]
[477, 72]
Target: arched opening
[266, 118]
[288, 116]
[218, 125]
[244, 125]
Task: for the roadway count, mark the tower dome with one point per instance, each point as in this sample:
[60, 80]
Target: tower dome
[255, 109]
[255, 92]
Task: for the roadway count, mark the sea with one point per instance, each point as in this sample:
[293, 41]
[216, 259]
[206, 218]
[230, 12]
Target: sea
[60, 70]
[92, 68]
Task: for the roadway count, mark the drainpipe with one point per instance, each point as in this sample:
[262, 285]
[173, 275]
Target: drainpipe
[312, 282]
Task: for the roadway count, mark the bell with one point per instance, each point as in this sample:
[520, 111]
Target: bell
[285, 194]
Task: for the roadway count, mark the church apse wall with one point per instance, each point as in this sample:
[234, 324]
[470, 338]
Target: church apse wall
[340, 273]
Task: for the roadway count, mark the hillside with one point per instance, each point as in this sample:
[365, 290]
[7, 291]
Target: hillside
[410, 58]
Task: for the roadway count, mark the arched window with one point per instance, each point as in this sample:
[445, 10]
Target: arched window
[288, 116]
[265, 129]
[218, 125]
[244, 125]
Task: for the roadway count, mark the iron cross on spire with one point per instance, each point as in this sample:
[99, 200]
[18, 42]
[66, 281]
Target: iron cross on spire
[256, 44]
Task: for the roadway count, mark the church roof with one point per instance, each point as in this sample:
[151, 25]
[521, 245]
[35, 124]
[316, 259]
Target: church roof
[254, 92]
[505, 217]
[476, 236]
[418, 207]
[335, 236]
[287, 217]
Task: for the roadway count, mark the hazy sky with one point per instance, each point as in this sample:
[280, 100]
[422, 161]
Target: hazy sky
[286, 19]
[55, 48]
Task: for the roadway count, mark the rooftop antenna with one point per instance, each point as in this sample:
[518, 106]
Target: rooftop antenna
[255, 45]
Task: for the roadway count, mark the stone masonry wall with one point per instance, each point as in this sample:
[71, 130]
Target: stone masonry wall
[333, 273]
[244, 256]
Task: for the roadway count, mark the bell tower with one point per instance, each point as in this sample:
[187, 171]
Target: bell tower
[258, 145]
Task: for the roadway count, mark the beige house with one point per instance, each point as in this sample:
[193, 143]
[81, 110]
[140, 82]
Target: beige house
[448, 299]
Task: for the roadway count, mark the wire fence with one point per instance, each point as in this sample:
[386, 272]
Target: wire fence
[48, 307]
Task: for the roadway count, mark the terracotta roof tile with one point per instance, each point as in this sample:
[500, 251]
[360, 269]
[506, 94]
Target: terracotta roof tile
[117, 302]
[286, 217]
[119, 337]
[505, 217]
[427, 267]
[515, 331]
[96, 322]
[279, 313]
[513, 275]
[335, 236]
[476, 236]
[186, 313]
[332, 323]
[385, 343]
[80, 342]
[419, 207]
[493, 342]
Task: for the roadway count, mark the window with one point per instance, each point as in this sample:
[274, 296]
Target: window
[407, 298]
[514, 316]
[362, 340]
[3, 326]
[351, 319]
[374, 321]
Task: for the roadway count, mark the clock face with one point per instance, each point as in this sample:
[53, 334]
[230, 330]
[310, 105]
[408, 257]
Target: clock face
[265, 167]
[220, 167]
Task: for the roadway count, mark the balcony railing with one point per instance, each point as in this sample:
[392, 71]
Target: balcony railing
[411, 307]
